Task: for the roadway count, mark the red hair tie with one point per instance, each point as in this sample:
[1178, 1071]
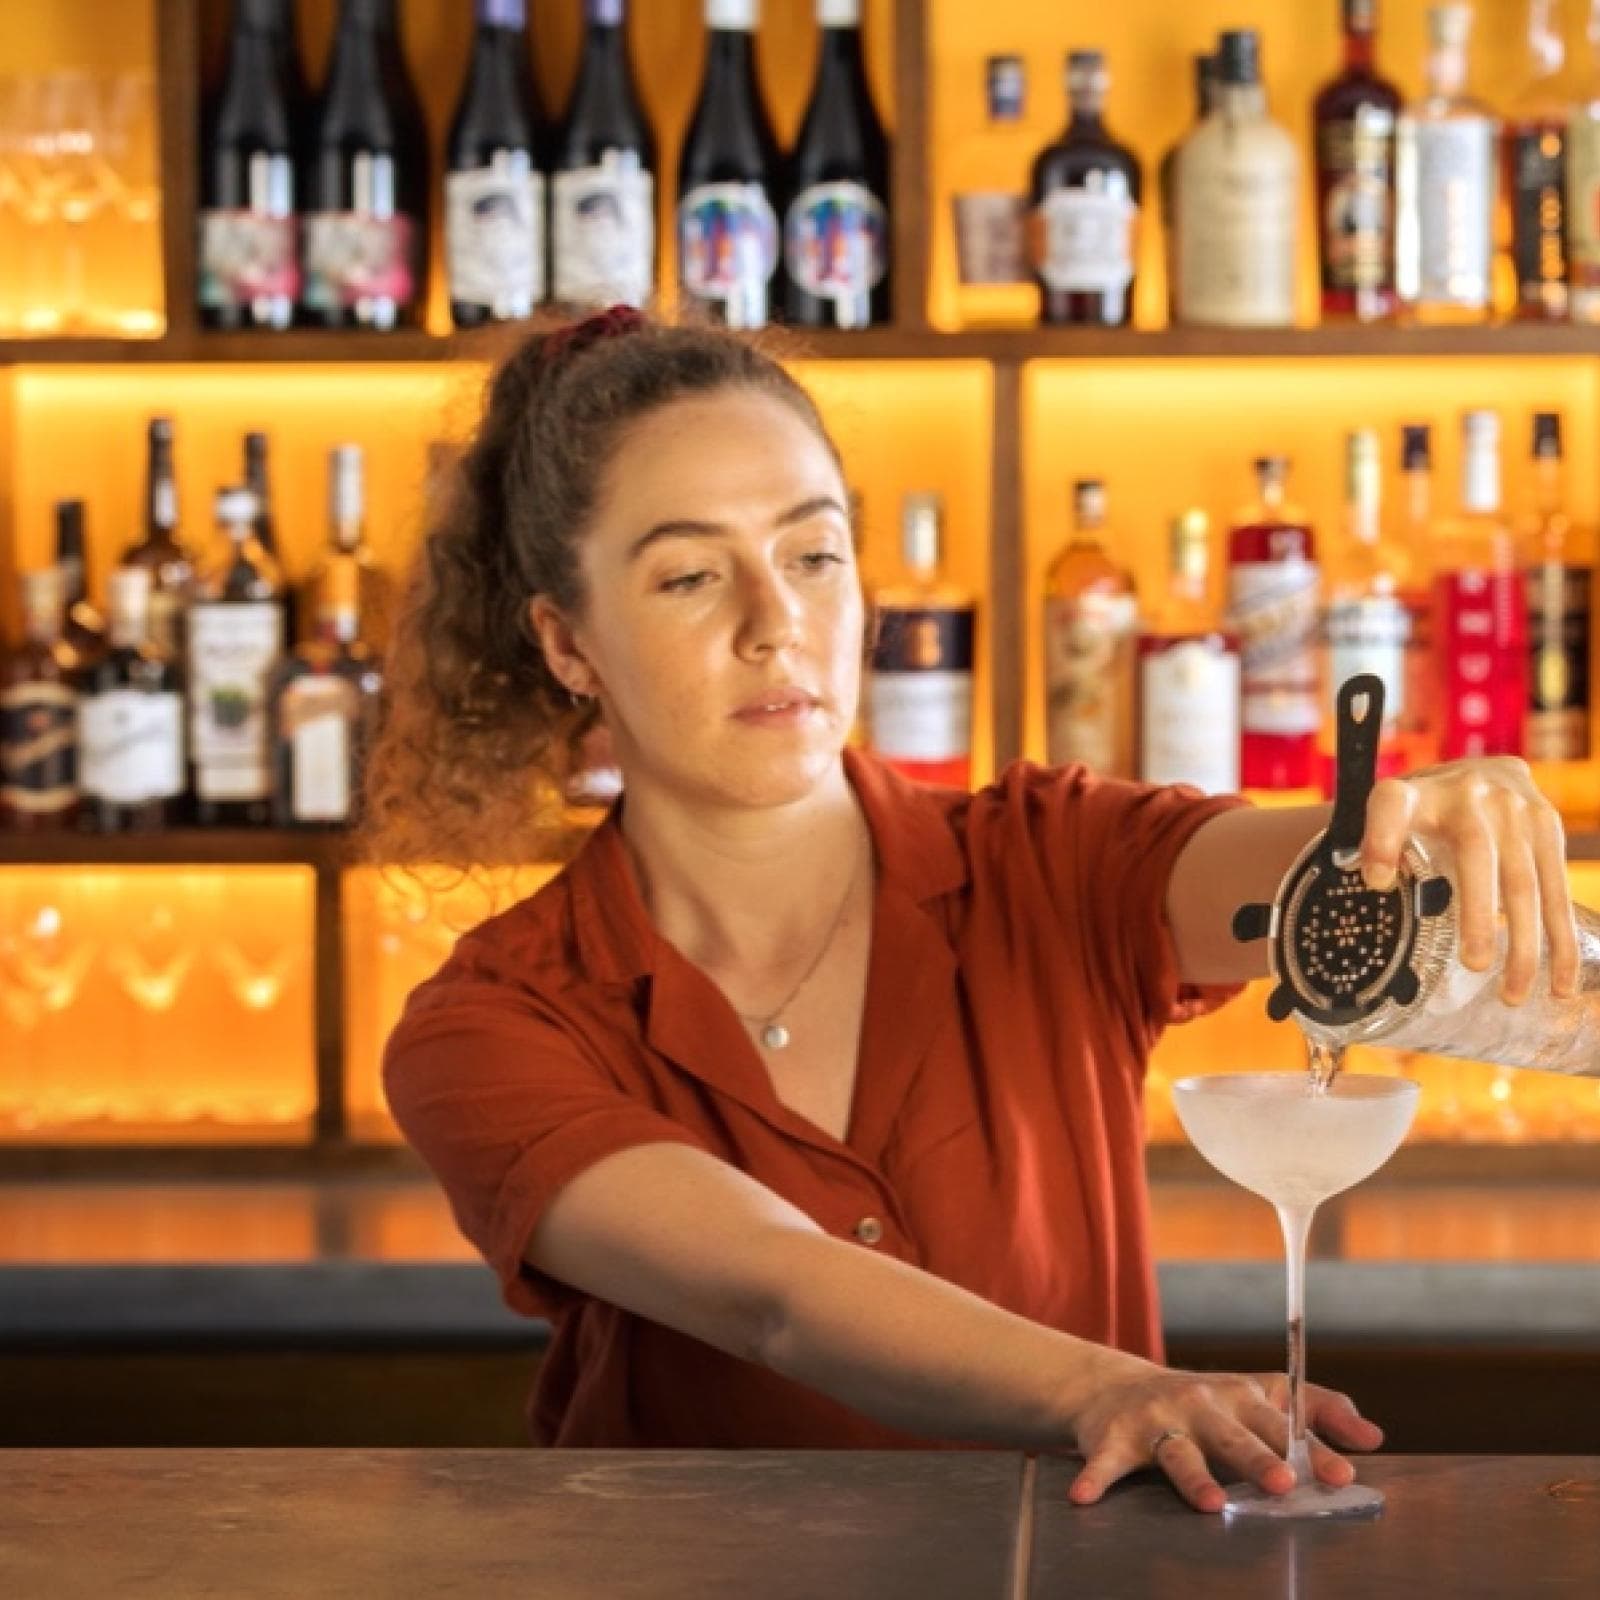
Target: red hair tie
[569, 341]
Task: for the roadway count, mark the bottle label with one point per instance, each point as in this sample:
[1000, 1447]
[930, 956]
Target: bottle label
[1455, 199]
[1189, 715]
[1357, 162]
[836, 245]
[728, 249]
[1236, 242]
[316, 719]
[494, 235]
[1083, 241]
[166, 620]
[38, 748]
[1273, 609]
[354, 257]
[1480, 623]
[920, 691]
[1088, 666]
[1558, 677]
[604, 232]
[1368, 633]
[1583, 190]
[1539, 208]
[246, 257]
[132, 746]
[232, 649]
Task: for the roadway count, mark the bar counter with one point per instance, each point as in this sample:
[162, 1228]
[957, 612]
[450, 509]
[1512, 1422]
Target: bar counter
[572, 1525]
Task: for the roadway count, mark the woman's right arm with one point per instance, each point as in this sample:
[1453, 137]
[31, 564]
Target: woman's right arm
[673, 1234]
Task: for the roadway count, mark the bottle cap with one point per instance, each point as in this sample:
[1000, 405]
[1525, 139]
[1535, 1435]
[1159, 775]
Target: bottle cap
[346, 485]
[1239, 56]
[1416, 447]
[604, 13]
[920, 518]
[238, 507]
[1089, 503]
[838, 13]
[1480, 427]
[159, 430]
[1087, 75]
[1271, 469]
[1005, 87]
[1547, 435]
[1191, 543]
[736, 16]
[1360, 16]
[1449, 26]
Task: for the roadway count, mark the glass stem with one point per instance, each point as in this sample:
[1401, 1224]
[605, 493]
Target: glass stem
[1296, 1224]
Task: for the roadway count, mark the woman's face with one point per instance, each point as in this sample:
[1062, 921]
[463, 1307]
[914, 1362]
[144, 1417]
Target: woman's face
[724, 616]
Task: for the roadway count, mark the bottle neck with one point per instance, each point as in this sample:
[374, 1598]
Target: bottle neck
[161, 494]
[1086, 112]
[338, 622]
[1480, 479]
[1549, 485]
[1360, 52]
[1447, 72]
[1241, 101]
[1416, 489]
[1187, 576]
[1547, 46]
[603, 68]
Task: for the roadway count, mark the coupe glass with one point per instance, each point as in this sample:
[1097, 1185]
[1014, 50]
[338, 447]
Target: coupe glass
[1276, 1135]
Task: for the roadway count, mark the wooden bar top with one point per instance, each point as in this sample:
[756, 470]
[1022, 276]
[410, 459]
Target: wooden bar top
[809, 1525]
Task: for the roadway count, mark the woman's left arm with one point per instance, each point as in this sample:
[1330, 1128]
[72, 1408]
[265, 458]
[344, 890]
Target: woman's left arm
[1507, 840]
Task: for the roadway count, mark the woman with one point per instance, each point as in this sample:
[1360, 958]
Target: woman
[805, 1100]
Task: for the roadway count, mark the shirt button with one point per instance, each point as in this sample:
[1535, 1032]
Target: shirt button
[869, 1230]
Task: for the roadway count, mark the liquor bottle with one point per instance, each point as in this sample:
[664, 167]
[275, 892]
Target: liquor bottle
[988, 203]
[132, 721]
[347, 545]
[1354, 121]
[258, 480]
[1480, 610]
[1205, 99]
[920, 691]
[1583, 184]
[366, 228]
[494, 224]
[39, 717]
[1533, 169]
[1273, 597]
[836, 224]
[249, 267]
[1236, 201]
[324, 702]
[1418, 712]
[602, 188]
[236, 635]
[84, 629]
[728, 257]
[1366, 624]
[1445, 186]
[1083, 200]
[1189, 675]
[1560, 580]
[162, 550]
[1091, 618]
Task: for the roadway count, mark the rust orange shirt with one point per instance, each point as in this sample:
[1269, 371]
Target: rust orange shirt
[1020, 971]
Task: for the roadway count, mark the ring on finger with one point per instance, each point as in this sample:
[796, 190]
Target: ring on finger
[1166, 1436]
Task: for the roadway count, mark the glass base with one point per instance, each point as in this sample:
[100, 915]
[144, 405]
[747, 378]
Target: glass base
[1303, 1501]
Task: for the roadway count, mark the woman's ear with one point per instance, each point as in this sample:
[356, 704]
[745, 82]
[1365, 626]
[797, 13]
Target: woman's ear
[560, 646]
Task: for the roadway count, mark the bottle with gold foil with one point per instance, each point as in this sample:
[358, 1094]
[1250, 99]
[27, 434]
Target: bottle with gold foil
[1583, 184]
[919, 703]
[1560, 576]
[1091, 619]
[39, 716]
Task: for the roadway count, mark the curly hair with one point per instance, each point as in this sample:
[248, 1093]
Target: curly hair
[478, 738]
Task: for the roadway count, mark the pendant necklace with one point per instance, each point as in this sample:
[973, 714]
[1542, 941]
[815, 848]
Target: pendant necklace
[773, 1034]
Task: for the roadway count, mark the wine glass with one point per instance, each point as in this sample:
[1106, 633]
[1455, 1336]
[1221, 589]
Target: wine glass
[1277, 1135]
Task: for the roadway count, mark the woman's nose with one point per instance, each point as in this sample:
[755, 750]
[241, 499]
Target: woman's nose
[772, 613]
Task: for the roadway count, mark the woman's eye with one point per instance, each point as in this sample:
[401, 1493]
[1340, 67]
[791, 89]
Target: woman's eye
[816, 560]
[685, 582]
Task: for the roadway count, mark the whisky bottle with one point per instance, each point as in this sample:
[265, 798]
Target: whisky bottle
[1533, 168]
[1236, 203]
[1189, 675]
[39, 716]
[1091, 618]
[162, 549]
[920, 691]
[347, 541]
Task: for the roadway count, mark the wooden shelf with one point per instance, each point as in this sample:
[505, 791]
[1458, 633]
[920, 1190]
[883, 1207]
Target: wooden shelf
[326, 1158]
[875, 344]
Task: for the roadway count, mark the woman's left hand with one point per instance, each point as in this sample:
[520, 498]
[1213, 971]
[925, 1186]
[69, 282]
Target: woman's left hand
[1510, 852]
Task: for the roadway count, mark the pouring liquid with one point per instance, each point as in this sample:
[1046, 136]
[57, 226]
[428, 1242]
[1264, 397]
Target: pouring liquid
[1323, 1062]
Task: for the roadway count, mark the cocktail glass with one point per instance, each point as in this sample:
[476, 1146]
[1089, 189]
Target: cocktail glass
[1274, 1134]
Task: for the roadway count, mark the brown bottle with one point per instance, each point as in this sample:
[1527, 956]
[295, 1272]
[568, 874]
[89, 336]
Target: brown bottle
[39, 717]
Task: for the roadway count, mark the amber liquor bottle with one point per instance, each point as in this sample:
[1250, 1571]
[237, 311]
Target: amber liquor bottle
[39, 717]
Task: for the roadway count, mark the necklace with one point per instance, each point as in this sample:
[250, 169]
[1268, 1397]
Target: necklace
[773, 1033]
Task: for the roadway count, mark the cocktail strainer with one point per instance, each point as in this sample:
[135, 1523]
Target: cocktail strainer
[1340, 950]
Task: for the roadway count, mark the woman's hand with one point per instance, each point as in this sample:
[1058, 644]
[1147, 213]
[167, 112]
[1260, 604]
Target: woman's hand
[1510, 853]
[1186, 1423]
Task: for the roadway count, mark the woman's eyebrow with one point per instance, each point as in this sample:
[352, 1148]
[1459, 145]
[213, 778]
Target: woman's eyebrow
[691, 528]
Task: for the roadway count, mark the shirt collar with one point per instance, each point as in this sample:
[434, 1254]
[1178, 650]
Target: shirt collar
[913, 831]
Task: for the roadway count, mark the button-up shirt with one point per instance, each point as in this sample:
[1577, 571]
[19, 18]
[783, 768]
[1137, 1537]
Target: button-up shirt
[1020, 971]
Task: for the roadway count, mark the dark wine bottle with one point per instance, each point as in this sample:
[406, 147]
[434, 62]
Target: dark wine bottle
[494, 192]
[728, 258]
[836, 227]
[603, 177]
[249, 269]
[366, 224]
[258, 480]
[84, 628]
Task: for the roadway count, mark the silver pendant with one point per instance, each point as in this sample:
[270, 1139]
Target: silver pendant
[775, 1036]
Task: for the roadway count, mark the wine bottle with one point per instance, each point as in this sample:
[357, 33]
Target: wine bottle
[235, 639]
[366, 182]
[728, 258]
[161, 549]
[131, 722]
[39, 717]
[603, 185]
[84, 629]
[494, 226]
[249, 269]
[836, 226]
